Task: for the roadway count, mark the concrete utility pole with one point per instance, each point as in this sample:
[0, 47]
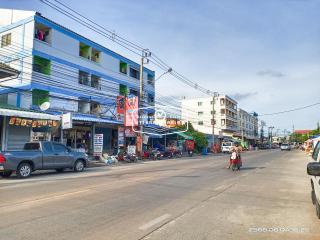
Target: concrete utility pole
[215, 94]
[144, 56]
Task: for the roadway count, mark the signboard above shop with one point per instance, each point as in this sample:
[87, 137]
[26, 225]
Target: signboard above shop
[66, 121]
[34, 123]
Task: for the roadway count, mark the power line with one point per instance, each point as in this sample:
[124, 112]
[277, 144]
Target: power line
[291, 110]
[76, 16]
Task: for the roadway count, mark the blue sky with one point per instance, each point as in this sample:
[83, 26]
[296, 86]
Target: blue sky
[266, 53]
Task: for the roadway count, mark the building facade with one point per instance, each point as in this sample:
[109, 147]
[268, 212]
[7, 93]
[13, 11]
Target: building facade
[210, 115]
[71, 72]
[247, 129]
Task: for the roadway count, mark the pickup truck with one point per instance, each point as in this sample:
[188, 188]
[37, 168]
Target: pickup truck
[41, 156]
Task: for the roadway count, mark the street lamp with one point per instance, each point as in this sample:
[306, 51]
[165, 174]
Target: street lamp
[168, 71]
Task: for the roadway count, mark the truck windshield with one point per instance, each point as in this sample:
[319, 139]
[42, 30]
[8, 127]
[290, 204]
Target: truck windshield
[32, 146]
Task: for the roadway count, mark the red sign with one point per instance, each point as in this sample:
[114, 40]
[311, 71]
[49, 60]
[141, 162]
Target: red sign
[131, 114]
[120, 104]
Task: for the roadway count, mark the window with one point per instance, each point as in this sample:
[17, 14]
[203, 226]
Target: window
[46, 147]
[32, 146]
[123, 90]
[83, 107]
[41, 65]
[213, 122]
[58, 148]
[133, 92]
[42, 33]
[316, 152]
[200, 113]
[6, 40]
[150, 98]
[95, 55]
[95, 82]
[223, 111]
[200, 123]
[223, 122]
[199, 103]
[213, 112]
[84, 50]
[84, 78]
[222, 101]
[39, 97]
[150, 78]
[123, 67]
[211, 102]
[134, 73]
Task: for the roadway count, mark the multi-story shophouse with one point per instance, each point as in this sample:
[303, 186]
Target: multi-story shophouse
[70, 72]
[205, 113]
[247, 127]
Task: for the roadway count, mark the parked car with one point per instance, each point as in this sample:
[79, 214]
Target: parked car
[313, 169]
[40, 156]
[285, 147]
[226, 147]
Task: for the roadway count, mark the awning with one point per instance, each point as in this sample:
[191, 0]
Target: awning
[93, 118]
[184, 136]
[27, 114]
[7, 71]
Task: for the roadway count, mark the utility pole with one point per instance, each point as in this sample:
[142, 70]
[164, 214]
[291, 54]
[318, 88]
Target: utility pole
[215, 94]
[144, 56]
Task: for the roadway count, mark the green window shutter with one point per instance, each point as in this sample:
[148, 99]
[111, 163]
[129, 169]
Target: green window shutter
[39, 97]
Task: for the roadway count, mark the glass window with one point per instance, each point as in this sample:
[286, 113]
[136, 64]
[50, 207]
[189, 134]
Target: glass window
[200, 123]
[41, 65]
[123, 67]
[316, 152]
[199, 103]
[134, 73]
[58, 148]
[6, 40]
[32, 146]
[46, 147]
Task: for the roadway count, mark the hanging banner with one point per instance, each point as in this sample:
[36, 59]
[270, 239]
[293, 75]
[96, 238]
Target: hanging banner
[97, 144]
[131, 114]
[120, 104]
[66, 121]
[120, 136]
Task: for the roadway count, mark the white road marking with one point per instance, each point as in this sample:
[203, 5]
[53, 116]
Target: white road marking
[154, 221]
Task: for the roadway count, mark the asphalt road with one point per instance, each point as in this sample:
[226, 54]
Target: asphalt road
[172, 199]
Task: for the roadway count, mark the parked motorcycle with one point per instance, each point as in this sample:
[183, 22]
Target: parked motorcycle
[155, 154]
[130, 158]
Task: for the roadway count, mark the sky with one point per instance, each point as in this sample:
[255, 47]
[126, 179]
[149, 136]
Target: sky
[264, 53]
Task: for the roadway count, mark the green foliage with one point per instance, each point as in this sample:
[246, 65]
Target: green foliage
[199, 138]
[295, 137]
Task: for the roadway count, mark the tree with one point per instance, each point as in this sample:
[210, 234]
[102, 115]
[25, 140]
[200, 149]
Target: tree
[198, 137]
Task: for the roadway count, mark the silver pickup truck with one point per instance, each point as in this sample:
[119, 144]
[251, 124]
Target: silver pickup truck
[41, 156]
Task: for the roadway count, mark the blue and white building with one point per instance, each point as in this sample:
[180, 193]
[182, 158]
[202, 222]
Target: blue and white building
[71, 72]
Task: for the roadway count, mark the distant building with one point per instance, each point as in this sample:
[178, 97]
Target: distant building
[305, 131]
[203, 115]
[247, 126]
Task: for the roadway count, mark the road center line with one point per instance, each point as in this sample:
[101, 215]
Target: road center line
[154, 221]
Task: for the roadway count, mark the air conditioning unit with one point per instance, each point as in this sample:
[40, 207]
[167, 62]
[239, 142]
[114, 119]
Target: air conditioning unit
[95, 108]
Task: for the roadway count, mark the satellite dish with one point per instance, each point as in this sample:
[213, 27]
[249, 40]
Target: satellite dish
[44, 106]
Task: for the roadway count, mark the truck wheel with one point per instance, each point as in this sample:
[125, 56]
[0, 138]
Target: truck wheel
[78, 166]
[6, 174]
[24, 170]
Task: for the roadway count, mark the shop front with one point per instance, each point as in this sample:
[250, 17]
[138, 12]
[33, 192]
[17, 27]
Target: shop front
[85, 127]
[21, 126]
